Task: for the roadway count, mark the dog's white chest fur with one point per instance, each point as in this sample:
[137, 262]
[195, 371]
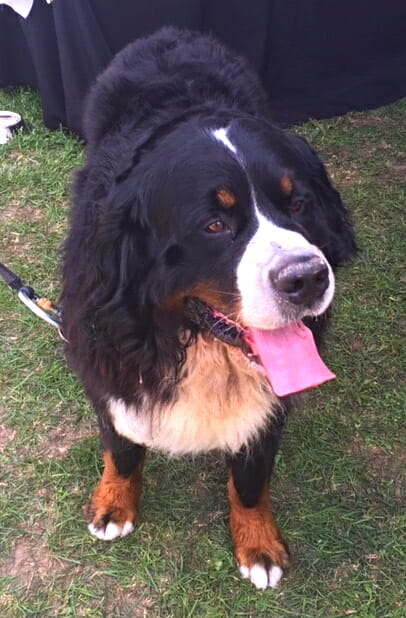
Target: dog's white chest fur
[222, 403]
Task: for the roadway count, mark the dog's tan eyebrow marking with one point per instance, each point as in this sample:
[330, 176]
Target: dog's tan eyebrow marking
[286, 185]
[226, 198]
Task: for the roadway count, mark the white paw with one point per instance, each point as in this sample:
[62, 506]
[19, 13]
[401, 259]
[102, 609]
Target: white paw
[111, 531]
[262, 577]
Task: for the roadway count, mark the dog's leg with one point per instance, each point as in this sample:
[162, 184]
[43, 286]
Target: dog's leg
[259, 548]
[113, 507]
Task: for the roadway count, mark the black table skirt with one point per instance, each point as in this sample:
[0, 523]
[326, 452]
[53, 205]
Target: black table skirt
[316, 58]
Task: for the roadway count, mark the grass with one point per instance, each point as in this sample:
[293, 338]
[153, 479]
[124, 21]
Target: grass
[338, 483]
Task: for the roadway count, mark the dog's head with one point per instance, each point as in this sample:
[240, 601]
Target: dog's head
[243, 216]
[239, 214]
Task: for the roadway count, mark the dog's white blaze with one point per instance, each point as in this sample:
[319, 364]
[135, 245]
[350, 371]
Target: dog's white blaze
[261, 305]
[222, 404]
[221, 135]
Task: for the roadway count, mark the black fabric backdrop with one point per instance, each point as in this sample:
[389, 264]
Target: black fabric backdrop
[317, 58]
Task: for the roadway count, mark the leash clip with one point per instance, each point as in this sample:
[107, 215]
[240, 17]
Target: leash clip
[33, 302]
[39, 305]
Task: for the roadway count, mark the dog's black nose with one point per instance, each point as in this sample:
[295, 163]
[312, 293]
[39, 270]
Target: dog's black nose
[301, 280]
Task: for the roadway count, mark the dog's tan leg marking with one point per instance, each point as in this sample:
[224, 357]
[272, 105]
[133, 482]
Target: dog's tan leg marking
[259, 548]
[113, 507]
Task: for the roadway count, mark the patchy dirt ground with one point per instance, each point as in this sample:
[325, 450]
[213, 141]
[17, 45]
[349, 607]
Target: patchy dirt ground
[60, 439]
[30, 560]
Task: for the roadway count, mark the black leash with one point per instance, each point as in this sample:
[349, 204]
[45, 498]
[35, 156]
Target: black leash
[40, 305]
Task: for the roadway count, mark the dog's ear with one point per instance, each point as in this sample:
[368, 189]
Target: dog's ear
[122, 246]
[109, 316]
[106, 254]
[341, 246]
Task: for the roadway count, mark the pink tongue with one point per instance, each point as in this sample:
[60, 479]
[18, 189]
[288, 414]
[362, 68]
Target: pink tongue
[289, 357]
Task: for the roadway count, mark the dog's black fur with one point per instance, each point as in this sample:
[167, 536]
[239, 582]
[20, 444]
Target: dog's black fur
[139, 242]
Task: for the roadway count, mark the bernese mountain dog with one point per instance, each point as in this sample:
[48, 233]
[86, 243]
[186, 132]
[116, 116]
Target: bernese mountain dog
[197, 274]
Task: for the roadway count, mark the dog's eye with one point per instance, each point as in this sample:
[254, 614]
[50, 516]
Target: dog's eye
[216, 227]
[297, 206]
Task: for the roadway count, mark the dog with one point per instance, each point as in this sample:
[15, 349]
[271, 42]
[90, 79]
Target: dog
[199, 232]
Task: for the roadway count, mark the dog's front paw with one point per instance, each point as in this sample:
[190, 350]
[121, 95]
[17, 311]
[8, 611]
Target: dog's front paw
[260, 551]
[110, 513]
[264, 568]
